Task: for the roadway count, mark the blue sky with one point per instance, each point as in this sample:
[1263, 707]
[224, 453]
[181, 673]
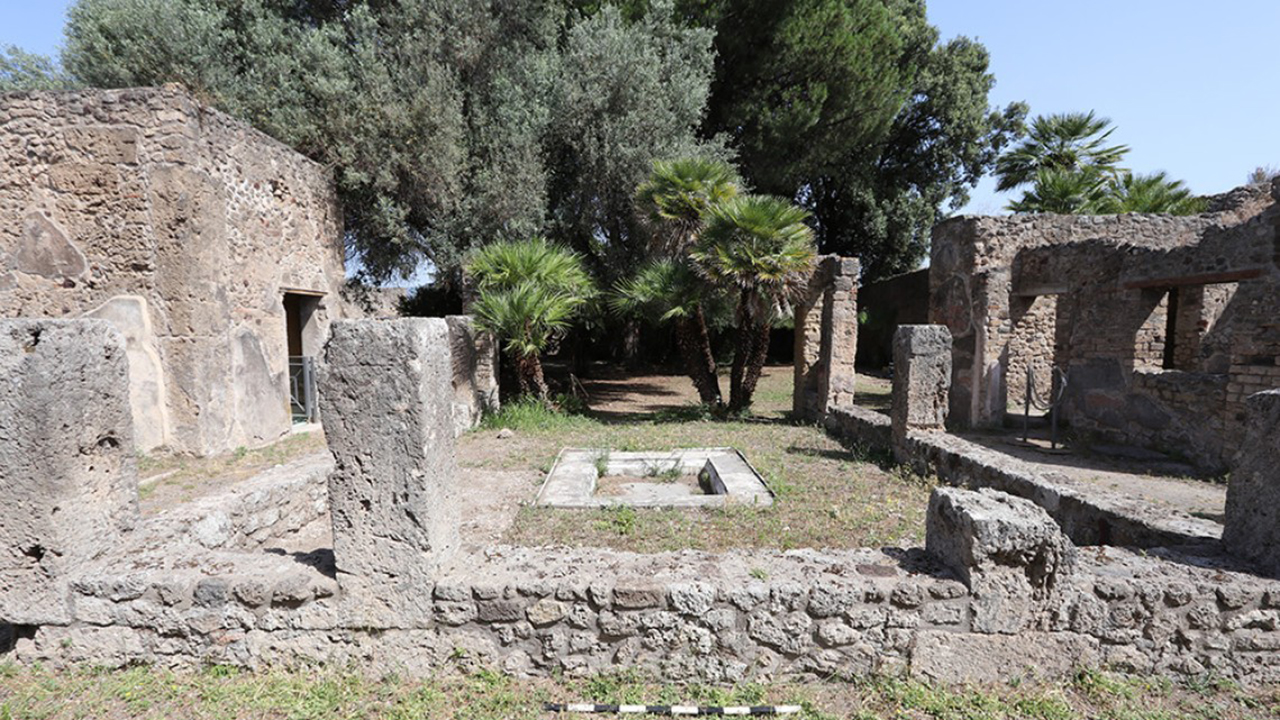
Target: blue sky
[1190, 86]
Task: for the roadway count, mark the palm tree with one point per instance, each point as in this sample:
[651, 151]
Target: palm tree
[529, 292]
[760, 246]
[678, 195]
[1069, 142]
[1064, 192]
[669, 290]
[1154, 193]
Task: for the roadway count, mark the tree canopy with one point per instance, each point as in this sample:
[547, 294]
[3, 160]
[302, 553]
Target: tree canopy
[453, 123]
[854, 109]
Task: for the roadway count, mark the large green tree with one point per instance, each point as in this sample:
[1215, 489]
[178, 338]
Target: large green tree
[854, 109]
[449, 123]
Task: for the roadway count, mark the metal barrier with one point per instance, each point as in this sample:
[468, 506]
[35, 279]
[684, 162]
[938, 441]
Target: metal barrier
[302, 388]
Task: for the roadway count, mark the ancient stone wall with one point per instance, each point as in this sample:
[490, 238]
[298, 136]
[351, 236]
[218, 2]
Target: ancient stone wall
[826, 338]
[1164, 324]
[184, 228]
[687, 616]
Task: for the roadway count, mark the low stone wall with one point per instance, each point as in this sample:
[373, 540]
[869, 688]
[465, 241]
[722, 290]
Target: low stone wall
[684, 616]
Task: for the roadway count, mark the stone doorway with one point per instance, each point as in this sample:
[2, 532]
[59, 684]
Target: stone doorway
[303, 337]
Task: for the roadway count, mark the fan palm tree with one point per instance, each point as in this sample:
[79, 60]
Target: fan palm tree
[1068, 142]
[677, 196]
[669, 290]
[760, 247]
[529, 292]
[1154, 193]
[1065, 192]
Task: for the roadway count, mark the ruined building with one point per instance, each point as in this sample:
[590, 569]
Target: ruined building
[214, 249]
[1163, 325]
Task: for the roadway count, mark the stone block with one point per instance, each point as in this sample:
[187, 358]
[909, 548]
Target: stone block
[1252, 524]
[921, 378]
[1006, 549]
[68, 480]
[386, 397]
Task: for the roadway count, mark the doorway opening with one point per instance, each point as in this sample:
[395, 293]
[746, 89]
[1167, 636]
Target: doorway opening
[302, 330]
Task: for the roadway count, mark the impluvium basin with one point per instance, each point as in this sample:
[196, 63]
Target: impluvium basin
[691, 477]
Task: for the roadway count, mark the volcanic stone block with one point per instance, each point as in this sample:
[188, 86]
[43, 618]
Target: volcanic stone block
[921, 378]
[386, 399]
[1006, 549]
[1252, 527]
[68, 480]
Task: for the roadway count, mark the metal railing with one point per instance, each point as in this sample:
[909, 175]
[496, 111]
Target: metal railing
[302, 388]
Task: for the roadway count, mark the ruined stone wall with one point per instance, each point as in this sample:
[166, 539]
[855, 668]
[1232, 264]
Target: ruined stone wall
[1112, 281]
[184, 228]
[683, 617]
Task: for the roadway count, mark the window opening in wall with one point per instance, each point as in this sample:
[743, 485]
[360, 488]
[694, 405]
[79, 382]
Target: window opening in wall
[300, 330]
[1168, 360]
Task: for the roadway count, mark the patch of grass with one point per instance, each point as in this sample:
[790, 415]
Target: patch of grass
[620, 519]
[532, 415]
[601, 463]
[309, 693]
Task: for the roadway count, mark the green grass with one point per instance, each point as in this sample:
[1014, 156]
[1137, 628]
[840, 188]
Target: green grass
[308, 693]
[533, 415]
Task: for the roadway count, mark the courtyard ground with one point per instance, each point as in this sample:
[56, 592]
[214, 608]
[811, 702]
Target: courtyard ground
[319, 694]
[828, 495]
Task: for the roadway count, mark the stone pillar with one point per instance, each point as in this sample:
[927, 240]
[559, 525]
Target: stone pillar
[921, 380]
[475, 372]
[68, 479]
[387, 403]
[826, 339]
[1252, 523]
[1006, 549]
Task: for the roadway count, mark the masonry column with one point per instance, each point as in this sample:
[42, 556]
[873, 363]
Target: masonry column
[921, 381]
[386, 399]
[826, 339]
[1252, 523]
[68, 479]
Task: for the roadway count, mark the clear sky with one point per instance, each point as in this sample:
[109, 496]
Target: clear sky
[1192, 87]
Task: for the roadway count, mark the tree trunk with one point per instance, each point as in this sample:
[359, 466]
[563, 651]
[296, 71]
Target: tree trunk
[741, 353]
[706, 358]
[695, 350]
[755, 363]
[631, 344]
[529, 372]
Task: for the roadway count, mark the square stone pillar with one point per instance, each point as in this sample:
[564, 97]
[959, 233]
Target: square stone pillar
[68, 478]
[826, 339]
[387, 401]
[1006, 549]
[921, 379]
[1252, 523]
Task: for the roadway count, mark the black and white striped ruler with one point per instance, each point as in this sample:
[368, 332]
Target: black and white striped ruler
[673, 709]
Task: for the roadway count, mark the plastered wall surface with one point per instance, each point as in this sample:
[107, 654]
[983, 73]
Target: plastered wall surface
[184, 228]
